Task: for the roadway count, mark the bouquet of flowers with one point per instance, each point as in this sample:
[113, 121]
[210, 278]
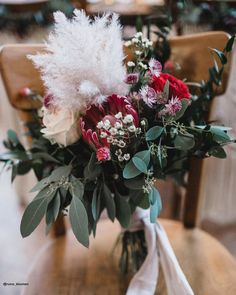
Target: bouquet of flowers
[109, 134]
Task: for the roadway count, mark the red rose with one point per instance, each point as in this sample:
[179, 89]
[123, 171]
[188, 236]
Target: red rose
[177, 87]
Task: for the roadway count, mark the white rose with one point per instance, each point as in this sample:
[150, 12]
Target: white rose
[61, 126]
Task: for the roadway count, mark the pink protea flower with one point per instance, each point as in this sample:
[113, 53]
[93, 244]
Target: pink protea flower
[155, 67]
[172, 107]
[148, 95]
[105, 115]
[103, 154]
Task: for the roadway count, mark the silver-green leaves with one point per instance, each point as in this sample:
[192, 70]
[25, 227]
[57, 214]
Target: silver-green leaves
[79, 221]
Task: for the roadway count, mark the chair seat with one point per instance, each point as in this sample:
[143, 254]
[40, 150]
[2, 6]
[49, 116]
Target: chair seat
[64, 267]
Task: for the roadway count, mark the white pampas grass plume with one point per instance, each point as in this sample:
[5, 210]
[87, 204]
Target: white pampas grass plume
[83, 62]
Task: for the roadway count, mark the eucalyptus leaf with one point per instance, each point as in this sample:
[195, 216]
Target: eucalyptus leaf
[184, 106]
[53, 210]
[224, 128]
[44, 156]
[96, 203]
[184, 142]
[140, 164]
[40, 185]
[61, 172]
[130, 170]
[218, 152]
[23, 167]
[93, 169]
[155, 207]
[144, 203]
[219, 134]
[77, 189]
[123, 212]
[144, 155]
[230, 43]
[153, 133]
[135, 183]
[18, 155]
[34, 214]
[79, 221]
[221, 55]
[12, 136]
[110, 203]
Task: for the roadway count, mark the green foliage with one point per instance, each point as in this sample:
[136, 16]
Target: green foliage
[35, 211]
[184, 106]
[153, 133]
[184, 142]
[73, 177]
[79, 221]
[123, 210]
[110, 203]
[155, 204]
[139, 164]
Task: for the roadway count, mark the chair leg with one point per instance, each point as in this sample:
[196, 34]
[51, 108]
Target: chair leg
[59, 227]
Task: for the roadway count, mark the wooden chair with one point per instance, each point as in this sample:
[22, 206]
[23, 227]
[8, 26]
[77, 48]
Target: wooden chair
[64, 267]
[24, 6]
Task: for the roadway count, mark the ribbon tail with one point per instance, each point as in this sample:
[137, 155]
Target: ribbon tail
[145, 280]
[175, 279]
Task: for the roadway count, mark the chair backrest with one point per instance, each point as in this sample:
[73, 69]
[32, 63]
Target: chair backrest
[191, 52]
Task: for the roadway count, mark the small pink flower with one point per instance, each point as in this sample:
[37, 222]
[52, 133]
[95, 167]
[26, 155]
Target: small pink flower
[132, 78]
[26, 91]
[148, 95]
[173, 106]
[169, 65]
[161, 97]
[47, 101]
[103, 154]
[155, 67]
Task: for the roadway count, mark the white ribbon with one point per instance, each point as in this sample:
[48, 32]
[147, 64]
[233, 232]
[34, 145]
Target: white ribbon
[158, 246]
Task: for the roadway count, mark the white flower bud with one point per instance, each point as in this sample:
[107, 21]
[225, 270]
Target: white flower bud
[113, 131]
[128, 43]
[103, 134]
[126, 157]
[138, 52]
[143, 123]
[100, 125]
[138, 34]
[118, 125]
[107, 124]
[134, 40]
[120, 159]
[132, 128]
[142, 65]
[128, 119]
[121, 144]
[119, 115]
[130, 64]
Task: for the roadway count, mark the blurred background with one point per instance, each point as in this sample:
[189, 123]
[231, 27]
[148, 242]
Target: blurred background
[30, 22]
